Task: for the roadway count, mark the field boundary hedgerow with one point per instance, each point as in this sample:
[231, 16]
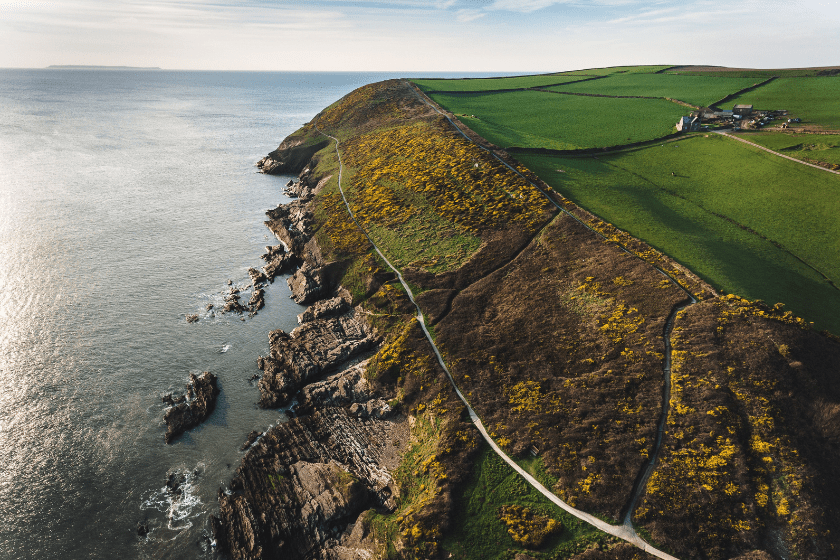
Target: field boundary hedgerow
[741, 92]
[506, 90]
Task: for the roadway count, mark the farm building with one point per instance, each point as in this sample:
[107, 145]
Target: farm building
[742, 110]
[688, 124]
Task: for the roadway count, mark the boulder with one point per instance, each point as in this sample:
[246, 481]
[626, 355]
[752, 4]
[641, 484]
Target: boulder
[193, 408]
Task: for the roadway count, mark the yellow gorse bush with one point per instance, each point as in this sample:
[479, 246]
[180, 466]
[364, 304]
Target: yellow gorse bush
[400, 172]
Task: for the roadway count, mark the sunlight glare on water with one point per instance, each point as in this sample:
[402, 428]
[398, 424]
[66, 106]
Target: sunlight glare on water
[127, 201]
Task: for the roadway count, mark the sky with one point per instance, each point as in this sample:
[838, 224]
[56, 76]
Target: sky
[504, 36]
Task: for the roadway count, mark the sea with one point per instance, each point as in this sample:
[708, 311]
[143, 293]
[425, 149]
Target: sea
[128, 201]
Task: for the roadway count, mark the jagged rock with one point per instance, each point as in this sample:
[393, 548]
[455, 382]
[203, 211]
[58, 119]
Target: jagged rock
[194, 407]
[290, 183]
[172, 400]
[345, 387]
[310, 349]
[257, 300]
[272, 252]
[324, 308]
[278, 265]
[143, 528]
[376, 408]
[305, 482]
[209, 306]
[252, 437]
[192, 318]
[291, 156]
[292, 224]
[256, 276]
[306, 284]
[232, 302]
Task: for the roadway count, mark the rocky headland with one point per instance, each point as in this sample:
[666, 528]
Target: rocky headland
[573, 342]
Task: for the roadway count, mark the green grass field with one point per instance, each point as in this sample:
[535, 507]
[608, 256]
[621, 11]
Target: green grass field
[814, 147]
[618, 70]
[484, 84]
[746, 73]
[815, 100]
[478, 533]
[712, 213]
[695, 90]
[563, 122]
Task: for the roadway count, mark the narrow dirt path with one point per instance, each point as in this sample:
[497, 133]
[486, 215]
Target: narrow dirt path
[777, 153]
[624, 531]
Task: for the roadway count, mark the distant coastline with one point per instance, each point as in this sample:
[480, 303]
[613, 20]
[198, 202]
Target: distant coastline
[83, 67]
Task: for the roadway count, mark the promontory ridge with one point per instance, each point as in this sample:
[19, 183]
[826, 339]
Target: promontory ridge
[488, 369]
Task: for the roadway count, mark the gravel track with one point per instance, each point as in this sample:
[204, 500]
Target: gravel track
[625, 530]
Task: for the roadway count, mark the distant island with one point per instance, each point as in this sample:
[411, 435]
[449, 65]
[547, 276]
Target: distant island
[84, 67]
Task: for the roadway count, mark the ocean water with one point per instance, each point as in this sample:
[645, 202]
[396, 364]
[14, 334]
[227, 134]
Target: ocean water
[128, 199]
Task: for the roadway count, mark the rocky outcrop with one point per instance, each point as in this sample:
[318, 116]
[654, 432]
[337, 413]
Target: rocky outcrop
[291, 156]
[257, 300]
[307, 284]
[257, 276]
[301, 487]
[292, 224]
[347, 387]
[308, 351]
[323, 309]
[192, 408]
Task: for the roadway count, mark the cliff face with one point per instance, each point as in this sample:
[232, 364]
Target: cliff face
[293, 155]
[554, 325]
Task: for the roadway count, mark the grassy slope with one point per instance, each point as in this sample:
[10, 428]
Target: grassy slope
[691, 89]
[636, 192]
[562, 122]
[811, 147]
[484, 84]
[480, 534]
[815, 100]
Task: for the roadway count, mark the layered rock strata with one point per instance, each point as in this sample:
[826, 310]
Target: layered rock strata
[302, 485]
[311, 349]
[192, 408]
[301, 488]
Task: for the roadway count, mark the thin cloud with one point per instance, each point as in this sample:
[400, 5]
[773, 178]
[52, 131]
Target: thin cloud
[469, 14]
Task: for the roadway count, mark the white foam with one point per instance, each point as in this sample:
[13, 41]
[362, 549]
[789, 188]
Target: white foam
[179, 509]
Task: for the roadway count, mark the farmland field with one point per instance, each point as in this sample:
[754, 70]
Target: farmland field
[696, 90]
[484, 84]
[815, 100]
[814, 147]
[752, 73]
[618, 70]
[563, 122]
[720, 214]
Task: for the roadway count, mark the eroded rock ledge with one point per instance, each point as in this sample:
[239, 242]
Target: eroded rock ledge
[300, 490]
[192, 408]
[302, 485]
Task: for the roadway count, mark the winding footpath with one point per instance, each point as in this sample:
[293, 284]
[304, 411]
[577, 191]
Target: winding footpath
[624, 531]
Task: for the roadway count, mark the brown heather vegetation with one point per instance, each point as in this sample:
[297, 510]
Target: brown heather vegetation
[751, 457]
[561, 351]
